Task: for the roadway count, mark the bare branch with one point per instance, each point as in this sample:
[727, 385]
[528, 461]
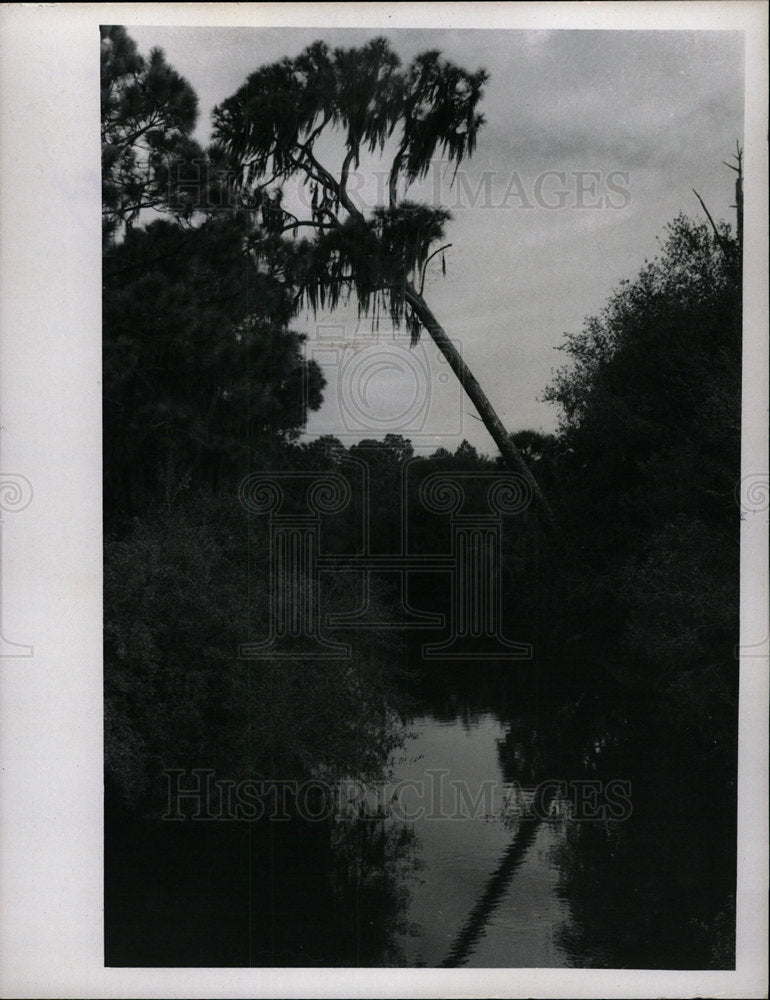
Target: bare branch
[327, 179]
[717, 234]
[446, 246]
[305, 169]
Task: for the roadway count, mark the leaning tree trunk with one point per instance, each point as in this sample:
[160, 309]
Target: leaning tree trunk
[511, 454]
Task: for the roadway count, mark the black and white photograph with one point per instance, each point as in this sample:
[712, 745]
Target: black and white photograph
[427, 485]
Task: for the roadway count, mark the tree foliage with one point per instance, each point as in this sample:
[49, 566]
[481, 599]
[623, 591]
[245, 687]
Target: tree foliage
[204, 380]
[148, 114]
[649, 455]
[203, 377]
[273, 128]
[651, 402]
[663, 313]
[202, 373]
[182, 592]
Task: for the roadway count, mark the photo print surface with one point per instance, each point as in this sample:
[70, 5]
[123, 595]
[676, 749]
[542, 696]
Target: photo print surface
[422, 496]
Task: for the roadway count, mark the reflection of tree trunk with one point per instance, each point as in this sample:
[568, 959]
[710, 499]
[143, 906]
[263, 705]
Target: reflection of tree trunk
[497, 883]
[490, 419]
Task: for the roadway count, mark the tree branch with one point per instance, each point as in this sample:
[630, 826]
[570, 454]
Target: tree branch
[717, 234]
[310, 223]
[446, 246]
[305, 169]
[316, 132]
[343, 187]
[331, 183]
[328, 180]
[394, 170]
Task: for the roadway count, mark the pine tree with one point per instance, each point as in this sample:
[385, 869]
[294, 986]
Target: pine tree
[361, 98]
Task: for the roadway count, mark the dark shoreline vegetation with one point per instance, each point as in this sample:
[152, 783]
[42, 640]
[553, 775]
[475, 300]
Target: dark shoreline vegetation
[631, 606]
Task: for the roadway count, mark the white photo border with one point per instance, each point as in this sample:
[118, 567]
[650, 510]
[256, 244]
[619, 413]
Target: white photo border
[51, 851]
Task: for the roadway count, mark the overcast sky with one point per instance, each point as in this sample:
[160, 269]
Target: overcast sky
[593, 142]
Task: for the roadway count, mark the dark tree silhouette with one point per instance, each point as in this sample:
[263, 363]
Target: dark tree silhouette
[274, 128]
[148, 113]
[649, 457]
[202, 373]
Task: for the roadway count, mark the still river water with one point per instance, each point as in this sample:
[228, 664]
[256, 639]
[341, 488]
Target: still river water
[455, 913]
[626, 859]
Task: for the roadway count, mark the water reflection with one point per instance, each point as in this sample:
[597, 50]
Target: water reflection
[656, 891]
[481, 850]
[486, 893]
[627, 859]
